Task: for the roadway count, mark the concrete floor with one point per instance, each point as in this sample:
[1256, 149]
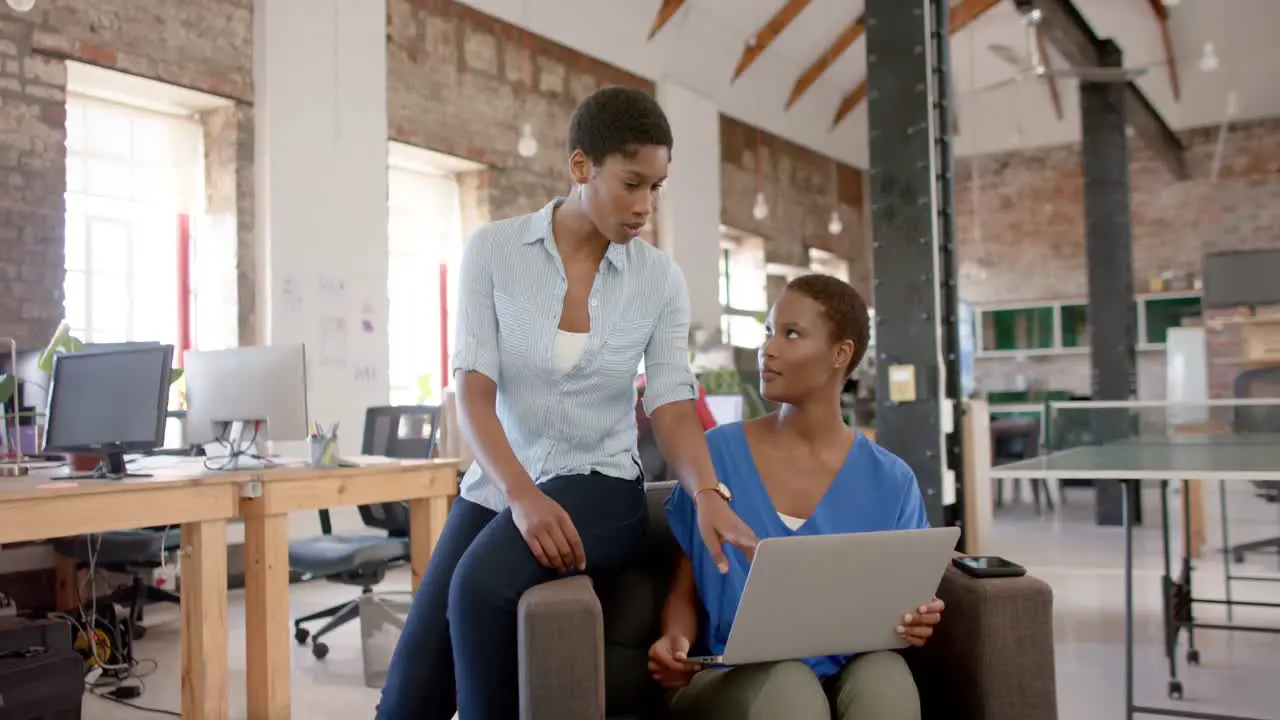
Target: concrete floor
[1080, 560]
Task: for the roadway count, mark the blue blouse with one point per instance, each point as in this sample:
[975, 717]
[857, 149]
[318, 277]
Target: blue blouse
[873, 491]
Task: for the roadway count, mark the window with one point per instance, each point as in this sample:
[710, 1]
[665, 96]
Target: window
[130, 174]
[424, 243]
[743, 292]
[828, 263]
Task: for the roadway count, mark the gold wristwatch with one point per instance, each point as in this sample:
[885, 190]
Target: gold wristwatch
[719, 489]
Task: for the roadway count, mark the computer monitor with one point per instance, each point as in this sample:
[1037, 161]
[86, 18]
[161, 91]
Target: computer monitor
[244, 395]
[109, 403]
[111, 346]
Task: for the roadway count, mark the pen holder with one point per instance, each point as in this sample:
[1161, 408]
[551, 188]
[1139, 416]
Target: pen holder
[323, 451]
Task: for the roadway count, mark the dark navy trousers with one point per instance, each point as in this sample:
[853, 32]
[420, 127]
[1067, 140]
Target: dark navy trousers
[458, 649]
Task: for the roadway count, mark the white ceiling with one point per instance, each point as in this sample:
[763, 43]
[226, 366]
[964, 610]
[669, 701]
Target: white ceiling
[701, 45]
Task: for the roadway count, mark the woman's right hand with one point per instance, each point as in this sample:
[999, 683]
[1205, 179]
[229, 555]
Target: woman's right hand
[548, 530]
[667, 661]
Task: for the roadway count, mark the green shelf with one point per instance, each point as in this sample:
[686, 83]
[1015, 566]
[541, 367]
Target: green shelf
[1018, 329]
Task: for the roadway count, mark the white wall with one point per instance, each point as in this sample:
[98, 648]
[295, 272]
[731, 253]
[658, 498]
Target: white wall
[320, 99]
[689, 214]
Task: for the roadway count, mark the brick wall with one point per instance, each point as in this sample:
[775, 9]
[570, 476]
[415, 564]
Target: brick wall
[201, 44]
[1031, 212]
[460, 82]
[463, 83]
[797, 184]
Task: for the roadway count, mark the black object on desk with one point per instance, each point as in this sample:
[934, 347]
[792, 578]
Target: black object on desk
[109, 403]
[988, 566]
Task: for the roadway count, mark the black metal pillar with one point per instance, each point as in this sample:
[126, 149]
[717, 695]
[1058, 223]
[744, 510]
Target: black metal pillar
[913, 230]
[1109, 257]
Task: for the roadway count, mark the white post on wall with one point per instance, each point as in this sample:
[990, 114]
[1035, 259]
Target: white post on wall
[320, 147]
[689, 208]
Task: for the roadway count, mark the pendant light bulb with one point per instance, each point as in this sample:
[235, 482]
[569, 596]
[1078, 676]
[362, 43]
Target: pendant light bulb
[761, 209]
[1209, 58]
[21, 5]
[1172, 3]
[528, 144]
[834, 226]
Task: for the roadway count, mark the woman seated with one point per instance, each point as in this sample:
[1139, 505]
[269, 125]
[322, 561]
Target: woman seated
[798, 471]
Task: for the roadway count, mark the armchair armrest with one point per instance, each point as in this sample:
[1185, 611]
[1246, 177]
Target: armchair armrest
[991, 658]
[560, 629]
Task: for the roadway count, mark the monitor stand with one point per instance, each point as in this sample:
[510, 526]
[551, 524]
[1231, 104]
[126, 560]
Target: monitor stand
[246, 449]
[112, 467]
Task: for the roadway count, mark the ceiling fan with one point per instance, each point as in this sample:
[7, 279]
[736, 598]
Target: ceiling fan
[1031, 63]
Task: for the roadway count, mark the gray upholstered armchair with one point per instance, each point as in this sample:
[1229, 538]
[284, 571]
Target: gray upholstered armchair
[584, 645]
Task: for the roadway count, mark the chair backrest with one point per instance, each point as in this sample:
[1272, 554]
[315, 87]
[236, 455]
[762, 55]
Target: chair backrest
[401, 431]
[1257, 383]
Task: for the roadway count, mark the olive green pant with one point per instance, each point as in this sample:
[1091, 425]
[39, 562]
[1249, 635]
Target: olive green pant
[874, 686]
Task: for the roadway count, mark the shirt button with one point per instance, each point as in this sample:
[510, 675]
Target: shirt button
[594, 302]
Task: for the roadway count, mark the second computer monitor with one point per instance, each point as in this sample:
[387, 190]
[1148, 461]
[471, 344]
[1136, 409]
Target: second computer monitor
[249, 385]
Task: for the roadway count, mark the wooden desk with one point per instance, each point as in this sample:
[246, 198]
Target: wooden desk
[426, 485]
[180, 492]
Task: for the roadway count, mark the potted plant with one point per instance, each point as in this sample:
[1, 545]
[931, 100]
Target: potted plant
[723, 380]
[727, 381]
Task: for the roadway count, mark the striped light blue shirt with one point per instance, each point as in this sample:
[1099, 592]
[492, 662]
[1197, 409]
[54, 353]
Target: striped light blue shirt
[511, 295]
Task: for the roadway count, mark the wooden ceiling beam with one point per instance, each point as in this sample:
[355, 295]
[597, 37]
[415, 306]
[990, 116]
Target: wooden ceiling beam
[961, 16]
[764, 37]
[850, 102]
[665, 13]
[1162, 19]
[834, 52]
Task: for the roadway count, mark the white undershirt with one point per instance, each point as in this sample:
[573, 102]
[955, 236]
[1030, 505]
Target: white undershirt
[567, 351]
[792, 523]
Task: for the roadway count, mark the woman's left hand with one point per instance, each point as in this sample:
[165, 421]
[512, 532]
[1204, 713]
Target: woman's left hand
[917, 627]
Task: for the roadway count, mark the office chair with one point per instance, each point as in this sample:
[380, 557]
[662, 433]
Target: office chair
[1019, 440]
[363, 559]
[1258, 383]
[136, 553]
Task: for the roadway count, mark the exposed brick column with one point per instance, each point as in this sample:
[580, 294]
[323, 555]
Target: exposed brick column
[228, 152]
[33, 158]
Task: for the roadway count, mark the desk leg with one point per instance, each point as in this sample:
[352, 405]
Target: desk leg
[66, 585]
[267, 629]
[203, 566]
[427, 517]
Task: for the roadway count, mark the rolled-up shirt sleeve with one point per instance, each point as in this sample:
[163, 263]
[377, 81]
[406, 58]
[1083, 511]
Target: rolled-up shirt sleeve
[476, 332]
[668, 377]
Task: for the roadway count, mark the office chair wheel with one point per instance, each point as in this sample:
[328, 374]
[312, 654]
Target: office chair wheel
[1238, 557]
[319, 650]
[1193, 657]
[301, 634]
[138, 631]
[1175, 689]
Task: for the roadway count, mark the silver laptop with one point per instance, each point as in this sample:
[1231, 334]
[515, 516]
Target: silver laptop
[808, 596]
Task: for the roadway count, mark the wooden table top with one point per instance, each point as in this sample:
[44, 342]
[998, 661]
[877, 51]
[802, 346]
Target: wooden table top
[191, 471]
